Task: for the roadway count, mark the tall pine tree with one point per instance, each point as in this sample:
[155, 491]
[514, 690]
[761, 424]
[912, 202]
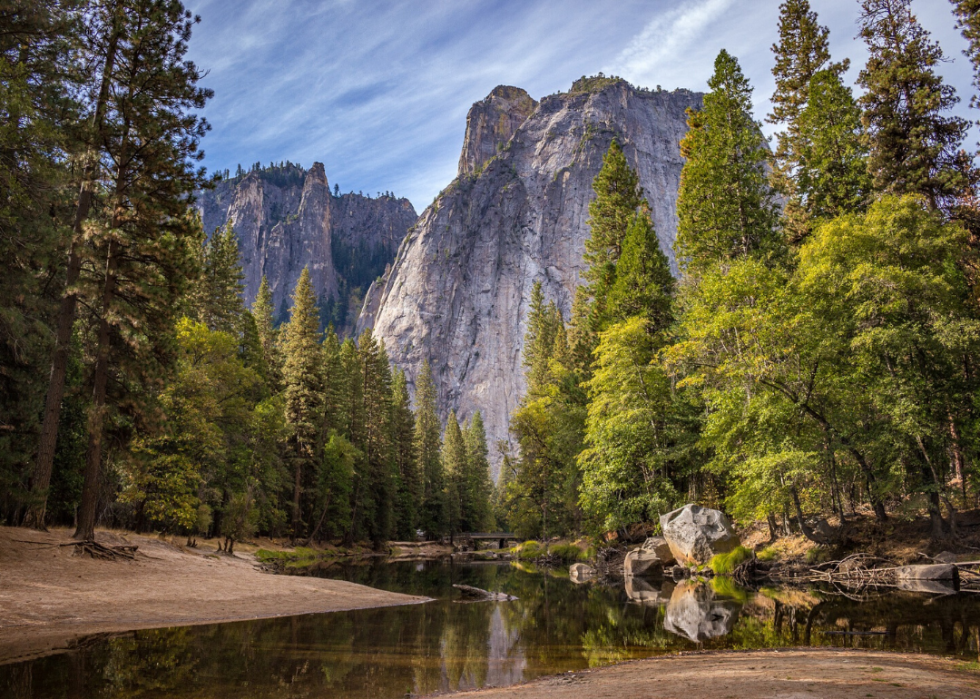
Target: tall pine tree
[914, 143]
[432, 510]
[725, 205]
[303, 378]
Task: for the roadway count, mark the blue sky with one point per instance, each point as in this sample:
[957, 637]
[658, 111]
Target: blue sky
[378, 91]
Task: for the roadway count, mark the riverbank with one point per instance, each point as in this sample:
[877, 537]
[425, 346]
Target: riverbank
[50, 597]
[829, 674]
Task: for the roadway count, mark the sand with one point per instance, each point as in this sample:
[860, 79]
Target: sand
[786, 674]
[51, 598]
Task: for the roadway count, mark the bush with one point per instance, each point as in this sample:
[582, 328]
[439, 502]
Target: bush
[528, 551]
[817, 554]
[725, 563]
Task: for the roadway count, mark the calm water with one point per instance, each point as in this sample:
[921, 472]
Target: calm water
[554, 627]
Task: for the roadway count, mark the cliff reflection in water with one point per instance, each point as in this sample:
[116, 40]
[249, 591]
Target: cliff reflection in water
[555, 626]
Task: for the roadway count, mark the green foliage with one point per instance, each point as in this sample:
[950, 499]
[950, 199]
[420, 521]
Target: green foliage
[768, 554]
[567, 553]
[914, 145]
[725, 563]
[432, 513]
[725, 206]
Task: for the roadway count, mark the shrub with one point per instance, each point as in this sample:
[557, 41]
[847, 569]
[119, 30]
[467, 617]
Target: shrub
[567, 553]
[725, 563]
[767, 554]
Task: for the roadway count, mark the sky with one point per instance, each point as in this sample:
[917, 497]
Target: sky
[379, 91]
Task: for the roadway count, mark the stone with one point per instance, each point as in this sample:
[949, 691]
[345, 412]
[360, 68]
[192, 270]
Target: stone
[696, 614]
[945, 557]
[695, 533]
[581, 572]
[659, 546]
[287, 218]
[459, 288]
[944, 572]
[640, 562]
[480, 595]
[642, 592]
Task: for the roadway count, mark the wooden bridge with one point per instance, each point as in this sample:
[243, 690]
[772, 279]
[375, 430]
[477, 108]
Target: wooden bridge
[501, 537]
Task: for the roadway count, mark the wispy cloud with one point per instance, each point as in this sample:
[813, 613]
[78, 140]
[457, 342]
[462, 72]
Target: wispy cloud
[379, 90]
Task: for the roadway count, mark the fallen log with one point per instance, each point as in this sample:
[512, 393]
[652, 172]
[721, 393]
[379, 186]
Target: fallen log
[476, 594]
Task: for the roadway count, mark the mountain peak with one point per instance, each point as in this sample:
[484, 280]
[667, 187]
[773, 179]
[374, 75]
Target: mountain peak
[490, 124]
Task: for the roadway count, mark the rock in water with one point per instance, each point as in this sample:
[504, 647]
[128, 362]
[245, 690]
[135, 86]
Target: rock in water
[286, 218]
[695, 613]
[659, 546]
[695, 533]
[642, 592]
[476, 594]
[580, 573]
[458, 292]
[643, 563]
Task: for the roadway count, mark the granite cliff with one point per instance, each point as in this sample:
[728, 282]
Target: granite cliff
[287, 218]
[458, 291]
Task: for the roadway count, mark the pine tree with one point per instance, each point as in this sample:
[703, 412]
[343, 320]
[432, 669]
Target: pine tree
[303, 378]
[618, 196]
[217, 297]
[643, 284]
[380, 487]
[725, 206]
[832, 177]
[403, 437]
[539, 339]
[478, 485]
[432, 513]
[263, 313]
[38, 41]
[914, 146]
[802, 52]
[454, 466]
[141, 241]
[968, 21]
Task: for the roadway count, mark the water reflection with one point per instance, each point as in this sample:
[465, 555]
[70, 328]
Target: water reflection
[554, 626]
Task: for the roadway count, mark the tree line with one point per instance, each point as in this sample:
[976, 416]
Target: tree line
[136, 389]
[818, 353]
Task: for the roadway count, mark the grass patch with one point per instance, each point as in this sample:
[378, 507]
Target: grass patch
[300, 557]
[568, 553]
[725, 563]
[528, 551]
[768, 554]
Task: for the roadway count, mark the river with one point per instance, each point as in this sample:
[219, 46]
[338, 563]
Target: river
[554, 626]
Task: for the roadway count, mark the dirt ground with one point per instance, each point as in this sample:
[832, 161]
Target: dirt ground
[792, 674]
[49, 597]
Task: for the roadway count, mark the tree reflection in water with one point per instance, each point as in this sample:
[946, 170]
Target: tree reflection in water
[555, 626]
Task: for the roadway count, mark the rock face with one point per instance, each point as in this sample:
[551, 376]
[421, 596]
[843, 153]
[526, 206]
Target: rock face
[286, 218]
[695, 534]
[491, 123]
[458, 291]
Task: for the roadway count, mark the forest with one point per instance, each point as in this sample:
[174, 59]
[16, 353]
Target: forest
[817, 354]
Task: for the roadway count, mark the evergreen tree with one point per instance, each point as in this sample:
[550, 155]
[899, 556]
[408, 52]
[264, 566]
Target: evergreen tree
[303, 378]
[38, 41]
[403, 436]
[801, 53]
[832, 177]
[143, 239]
[914, 145]
[262, 312]
[378, 492]
[454, 467]
[643, 284]
[540, 337]
[725, 205]
[432, 513]
[478, 485]
[218, 293]
[618, 196]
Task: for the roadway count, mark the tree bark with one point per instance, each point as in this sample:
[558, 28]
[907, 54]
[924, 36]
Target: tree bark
[93, 456]
[48, 440]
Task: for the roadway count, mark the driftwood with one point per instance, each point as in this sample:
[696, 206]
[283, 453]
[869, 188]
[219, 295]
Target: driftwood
[476, 594]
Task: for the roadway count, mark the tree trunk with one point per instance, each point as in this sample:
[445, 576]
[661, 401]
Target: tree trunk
[93, 456]
[48, 441]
